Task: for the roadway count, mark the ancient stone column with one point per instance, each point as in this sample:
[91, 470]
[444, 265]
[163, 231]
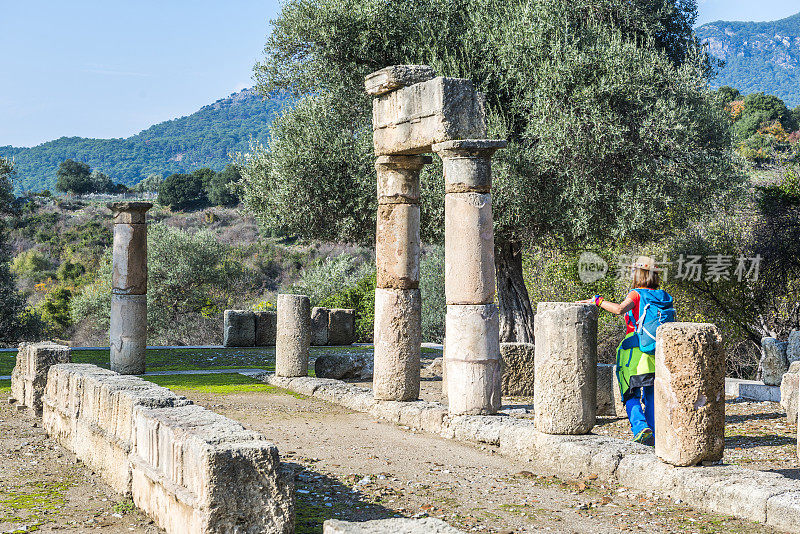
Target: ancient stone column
[397, 334]
[472, 327]
[294, 335]
[128, 328]
[689, 394]
[565, 380]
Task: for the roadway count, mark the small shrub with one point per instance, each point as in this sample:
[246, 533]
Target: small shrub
[361, 298]
[434, 304]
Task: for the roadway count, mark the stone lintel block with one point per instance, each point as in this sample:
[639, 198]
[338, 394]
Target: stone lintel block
[467, 164]
[518, 369]
[129, 263]
[565, 380]
[129, 212]
[341, 326]
[398, 178]
[29, 376]
[319, 327]
[472, 358]
[392, 78]
[412, 119]
[397, 246]
[294, 335]
[689, 393]
[398, 344]
[469, 248]
[128, 333]
[266, 328]
[239, 329]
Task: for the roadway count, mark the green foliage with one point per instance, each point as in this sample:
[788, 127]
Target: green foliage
[728, 94]
[761, 109]
[181, 191]
[327, 277]
[203, 139]
[361, 298]
[149, 184]
[598, 149]
[74, 177]
[431, 286]
[55, 309]
[218, 189]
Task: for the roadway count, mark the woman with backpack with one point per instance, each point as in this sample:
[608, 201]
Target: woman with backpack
[644, 309]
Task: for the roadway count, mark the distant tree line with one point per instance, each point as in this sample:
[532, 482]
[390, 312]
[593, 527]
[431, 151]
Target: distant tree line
[201, 188]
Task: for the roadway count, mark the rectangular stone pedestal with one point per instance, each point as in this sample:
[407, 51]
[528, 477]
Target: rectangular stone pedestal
[29, 377]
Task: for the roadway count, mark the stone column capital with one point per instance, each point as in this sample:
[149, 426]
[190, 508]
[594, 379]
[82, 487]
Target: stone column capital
[469, 148]
[129, 212]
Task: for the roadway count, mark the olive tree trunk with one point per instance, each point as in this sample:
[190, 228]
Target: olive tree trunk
[516, 314]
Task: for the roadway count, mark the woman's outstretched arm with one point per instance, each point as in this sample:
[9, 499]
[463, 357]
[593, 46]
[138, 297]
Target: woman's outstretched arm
[612, 307]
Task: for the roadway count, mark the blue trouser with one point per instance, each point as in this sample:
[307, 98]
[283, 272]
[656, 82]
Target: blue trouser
[641, 418]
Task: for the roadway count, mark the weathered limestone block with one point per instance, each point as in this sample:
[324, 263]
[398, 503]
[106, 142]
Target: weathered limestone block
[399, 525]
[29, 377]
[773, 361]
[343, 366]
[398, 178]
[606, 384]
[191, 470]
[689, 393]
[518, 369]
[128, 333]
[266, 328]
[411, 119]
[565, 388]
[472, 358]
[341, 327]
[398, 344]
[793, 347]
[397, 246]
[240, 329]
[294, 335]
[395, 77]
[469, 249]
[790, 392]
[197, 471]
[319, 327]
[467, 164]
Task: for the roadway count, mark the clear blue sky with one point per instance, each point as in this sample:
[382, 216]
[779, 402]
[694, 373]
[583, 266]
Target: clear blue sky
[111, 68]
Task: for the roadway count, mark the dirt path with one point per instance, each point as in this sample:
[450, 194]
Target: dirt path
[44, 489]
[355, 468]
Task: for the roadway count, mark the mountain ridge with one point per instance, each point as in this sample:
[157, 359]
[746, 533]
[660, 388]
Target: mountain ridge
[758, 56]
[204, 138]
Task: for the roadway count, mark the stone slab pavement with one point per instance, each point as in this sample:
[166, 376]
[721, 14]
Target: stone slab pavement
[764, 497]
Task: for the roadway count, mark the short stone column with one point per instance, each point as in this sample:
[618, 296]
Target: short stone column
[472, 327]
[128, 327]
[689, 394]
[565, 380]
[294, 335]
[398, 318]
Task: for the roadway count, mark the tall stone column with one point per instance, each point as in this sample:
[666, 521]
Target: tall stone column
[293, 338]
[128, 332]
[472, 327]
[397, 335]
[689, 394]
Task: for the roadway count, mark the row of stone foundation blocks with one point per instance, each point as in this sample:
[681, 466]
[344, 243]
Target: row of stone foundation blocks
[329, 326]
[190, 469]
[755, 495]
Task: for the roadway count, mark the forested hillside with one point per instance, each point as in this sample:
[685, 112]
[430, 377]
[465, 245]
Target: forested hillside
[758, 56]
[202, 139]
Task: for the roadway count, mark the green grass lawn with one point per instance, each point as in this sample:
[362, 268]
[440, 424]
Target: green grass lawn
[188, 359]
[218, 384]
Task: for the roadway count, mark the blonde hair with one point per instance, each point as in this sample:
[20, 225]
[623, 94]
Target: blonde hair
[645, 278]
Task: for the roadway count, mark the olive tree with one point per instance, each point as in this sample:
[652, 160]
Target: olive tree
[613, 133]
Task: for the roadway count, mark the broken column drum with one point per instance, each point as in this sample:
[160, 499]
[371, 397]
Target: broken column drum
[565, 378]
[294, 335]
[414, 113]
[128, 325]
[689, 394]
